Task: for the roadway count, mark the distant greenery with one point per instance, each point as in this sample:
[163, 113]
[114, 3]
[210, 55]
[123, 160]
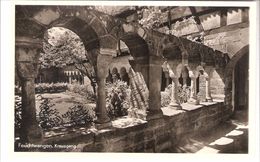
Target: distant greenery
[62, 47]
[50, 87]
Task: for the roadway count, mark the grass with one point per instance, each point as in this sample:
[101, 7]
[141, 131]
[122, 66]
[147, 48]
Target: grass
[65, 100]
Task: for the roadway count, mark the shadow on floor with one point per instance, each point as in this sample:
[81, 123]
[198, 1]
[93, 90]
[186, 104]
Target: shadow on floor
[229, 137]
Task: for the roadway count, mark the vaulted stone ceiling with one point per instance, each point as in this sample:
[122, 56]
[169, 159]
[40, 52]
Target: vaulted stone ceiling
[103, 29]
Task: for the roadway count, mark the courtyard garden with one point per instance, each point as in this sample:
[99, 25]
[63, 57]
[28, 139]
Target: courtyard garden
[74, 106]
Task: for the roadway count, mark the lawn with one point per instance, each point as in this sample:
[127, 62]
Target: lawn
[62, 101]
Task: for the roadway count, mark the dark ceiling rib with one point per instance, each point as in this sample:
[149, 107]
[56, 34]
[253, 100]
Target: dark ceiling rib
[197, 19]
[126, 13]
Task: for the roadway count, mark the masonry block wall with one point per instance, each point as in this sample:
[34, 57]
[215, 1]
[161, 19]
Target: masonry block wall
[159, 135]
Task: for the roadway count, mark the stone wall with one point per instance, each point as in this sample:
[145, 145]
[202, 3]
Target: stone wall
[217, 85]
[159, 135]
[228, 42]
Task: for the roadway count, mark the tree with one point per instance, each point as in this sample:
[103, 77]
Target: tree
[62, 47]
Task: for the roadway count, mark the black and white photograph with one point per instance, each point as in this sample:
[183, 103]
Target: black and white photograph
[133, 78]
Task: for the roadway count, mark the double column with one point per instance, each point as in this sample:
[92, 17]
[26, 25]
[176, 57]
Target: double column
[193, 94]
[174, 103]
[26, 57]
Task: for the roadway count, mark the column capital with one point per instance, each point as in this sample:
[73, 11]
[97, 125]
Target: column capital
[107, 52]
[28, 42]
[103, 62]
[156, 60]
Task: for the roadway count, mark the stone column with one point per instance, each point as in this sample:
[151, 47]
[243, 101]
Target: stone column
[202, 86]
[167, 78]
[154, 86]
[193, 94]
[174, 93]
[208, 93]
[103, 61]
[26, 57]
[184, 80]
[70, 79]
[150, 67]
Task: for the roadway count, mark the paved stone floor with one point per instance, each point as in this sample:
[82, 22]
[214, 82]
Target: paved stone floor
[229, 137]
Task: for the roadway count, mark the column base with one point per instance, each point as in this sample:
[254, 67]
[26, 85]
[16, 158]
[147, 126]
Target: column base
[103, 125]
[154, 114]
[209, 99]
[193, 101]
[175, 106]
[33, 134]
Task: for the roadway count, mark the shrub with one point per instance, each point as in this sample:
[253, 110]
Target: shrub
[165, 99]
[183, 94]
[48, 116]
[51, 88]
[18, 112]
[117, 98]
[78, 116]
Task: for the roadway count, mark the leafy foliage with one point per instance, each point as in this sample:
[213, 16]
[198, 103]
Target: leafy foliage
[165, 99]
[78, 116]
[117, 98]
[18, 112]
[152, 17]
[51, 88]
[62, 47]
[48, 116]
[183, 94]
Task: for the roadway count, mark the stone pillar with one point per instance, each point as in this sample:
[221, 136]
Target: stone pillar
[167, 78]
[70, 79]
[208, 93]
[154, 86]
[103, 61]
[202, 87]
[150, 67]
[193, 94]
[26, 57]
[174, 93]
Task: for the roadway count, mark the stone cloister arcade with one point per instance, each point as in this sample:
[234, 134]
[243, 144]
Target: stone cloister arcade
[180, 60]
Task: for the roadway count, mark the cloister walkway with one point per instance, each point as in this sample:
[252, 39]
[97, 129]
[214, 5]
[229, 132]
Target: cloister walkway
[229, 137]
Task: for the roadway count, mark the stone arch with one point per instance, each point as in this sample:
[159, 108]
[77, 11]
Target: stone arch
[230, 89]
[32, 22]
[96, 29]
[137, 45]
[86, 33]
